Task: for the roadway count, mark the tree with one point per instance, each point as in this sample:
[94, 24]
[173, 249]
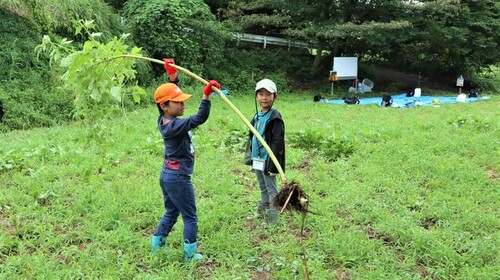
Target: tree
[341, 27]
[450, 38]
[184, 30]
[433, 37]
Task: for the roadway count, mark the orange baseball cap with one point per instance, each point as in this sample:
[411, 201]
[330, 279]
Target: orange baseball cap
[170, 92]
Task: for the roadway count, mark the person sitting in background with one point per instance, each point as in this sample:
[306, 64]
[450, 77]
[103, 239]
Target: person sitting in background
[474, 92]
[410, 93]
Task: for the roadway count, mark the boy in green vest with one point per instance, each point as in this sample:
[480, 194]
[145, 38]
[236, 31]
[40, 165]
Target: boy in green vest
[270, 125]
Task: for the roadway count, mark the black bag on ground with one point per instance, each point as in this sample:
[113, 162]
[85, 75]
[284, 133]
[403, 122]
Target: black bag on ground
[473, 92]
[386, 100]
[351, 100]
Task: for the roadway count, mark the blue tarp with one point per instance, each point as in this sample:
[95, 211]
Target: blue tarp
[401, 101]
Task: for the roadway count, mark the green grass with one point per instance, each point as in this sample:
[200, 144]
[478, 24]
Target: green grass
[418, 197]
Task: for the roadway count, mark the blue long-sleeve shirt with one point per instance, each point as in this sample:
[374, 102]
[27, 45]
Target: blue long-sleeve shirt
[179, 149]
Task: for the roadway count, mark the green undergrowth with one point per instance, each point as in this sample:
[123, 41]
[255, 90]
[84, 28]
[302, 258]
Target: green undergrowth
[398, 194]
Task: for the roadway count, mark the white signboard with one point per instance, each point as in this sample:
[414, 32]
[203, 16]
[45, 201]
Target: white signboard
[346, 67]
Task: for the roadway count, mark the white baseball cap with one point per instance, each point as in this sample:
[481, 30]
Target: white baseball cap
[266, 84]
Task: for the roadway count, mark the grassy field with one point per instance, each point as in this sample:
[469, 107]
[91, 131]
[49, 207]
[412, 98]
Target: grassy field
[399, 194]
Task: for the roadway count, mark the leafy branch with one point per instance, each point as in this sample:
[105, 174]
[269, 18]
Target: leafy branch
[99, 85]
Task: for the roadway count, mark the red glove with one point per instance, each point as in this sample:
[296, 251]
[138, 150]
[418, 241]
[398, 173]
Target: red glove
[207, 90]
[171, 70]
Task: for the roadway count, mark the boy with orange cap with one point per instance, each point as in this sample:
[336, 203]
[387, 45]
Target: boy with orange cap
[175, 178]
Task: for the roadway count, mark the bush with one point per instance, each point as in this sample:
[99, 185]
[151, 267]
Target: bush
[488, 80]
[184, 30]
[33, 105]
[245, 65]
[323, 142]
[27, 91]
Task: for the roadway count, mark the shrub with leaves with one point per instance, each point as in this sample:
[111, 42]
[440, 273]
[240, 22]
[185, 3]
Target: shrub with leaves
[185, 30]
[324, 142]
[472, 121]
[234, 141]
[10, 160]
[98, 82]
[28, 89]
[61, 16]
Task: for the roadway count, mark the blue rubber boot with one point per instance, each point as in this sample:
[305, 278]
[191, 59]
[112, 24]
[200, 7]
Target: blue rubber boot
[190, 252]
[157, 242]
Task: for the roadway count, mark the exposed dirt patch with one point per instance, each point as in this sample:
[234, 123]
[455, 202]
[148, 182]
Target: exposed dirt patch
[206, 269]
[372, 234]
[493, 174]
[421, 270]
[343, 274]
[250, 225]
[306, 164]
[429, 223]
[237, 172]
[304, 235]
[6, 225]
[263, 275]
[261, 236]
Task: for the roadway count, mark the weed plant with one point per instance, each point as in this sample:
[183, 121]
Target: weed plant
[416, 197]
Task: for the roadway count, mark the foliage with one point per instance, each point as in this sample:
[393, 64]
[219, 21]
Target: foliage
[21, 160]
[60, 17]
[449, 40]
[340, 27]
[184, 30]
[324, 142]
[11, 160]
[28, 89]
[116, 4]
[244, 66]
[26, 108]
[446, 39]
[436, 38]
[489, 79]
[99, 83]
[19, 37]
[418, 198]
[472, 122]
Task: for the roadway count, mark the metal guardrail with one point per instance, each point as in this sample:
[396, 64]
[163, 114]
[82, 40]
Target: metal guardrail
[265, 40]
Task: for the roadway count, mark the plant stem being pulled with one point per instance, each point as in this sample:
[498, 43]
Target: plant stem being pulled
[228, 102]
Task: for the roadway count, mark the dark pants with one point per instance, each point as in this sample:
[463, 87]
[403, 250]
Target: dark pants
[179, 198]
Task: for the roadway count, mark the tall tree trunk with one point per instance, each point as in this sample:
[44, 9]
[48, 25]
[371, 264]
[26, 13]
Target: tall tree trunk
[317, 60]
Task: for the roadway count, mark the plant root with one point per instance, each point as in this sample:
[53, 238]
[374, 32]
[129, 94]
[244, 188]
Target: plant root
[292, 197]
